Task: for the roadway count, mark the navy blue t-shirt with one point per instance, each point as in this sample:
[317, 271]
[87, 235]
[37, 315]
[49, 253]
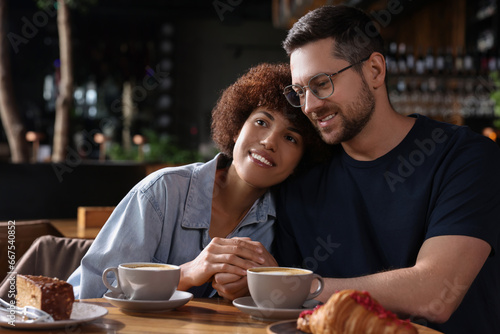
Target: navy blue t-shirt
[349, 218]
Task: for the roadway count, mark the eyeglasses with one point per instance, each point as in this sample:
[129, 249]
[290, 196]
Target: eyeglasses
[321, 85]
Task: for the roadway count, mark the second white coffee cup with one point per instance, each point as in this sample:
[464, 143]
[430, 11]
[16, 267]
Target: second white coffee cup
[143, 280]
[282, 287]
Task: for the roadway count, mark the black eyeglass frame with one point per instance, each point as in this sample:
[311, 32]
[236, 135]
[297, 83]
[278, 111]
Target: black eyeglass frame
[312, 91]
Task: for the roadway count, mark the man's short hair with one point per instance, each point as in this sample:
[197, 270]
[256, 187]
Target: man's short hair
[353, 31]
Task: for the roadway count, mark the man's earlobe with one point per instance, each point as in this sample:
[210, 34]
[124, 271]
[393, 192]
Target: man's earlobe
[377, 70]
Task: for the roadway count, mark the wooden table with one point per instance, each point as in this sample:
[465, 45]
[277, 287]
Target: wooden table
[89, 221]
[197, 316]
[69, 228]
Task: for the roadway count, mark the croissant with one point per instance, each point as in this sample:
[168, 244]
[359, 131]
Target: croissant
[351, 311]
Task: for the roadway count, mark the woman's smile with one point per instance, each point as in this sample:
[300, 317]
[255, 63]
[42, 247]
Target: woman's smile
[261, 160]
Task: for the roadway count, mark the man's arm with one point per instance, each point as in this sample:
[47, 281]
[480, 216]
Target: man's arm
[433, 288]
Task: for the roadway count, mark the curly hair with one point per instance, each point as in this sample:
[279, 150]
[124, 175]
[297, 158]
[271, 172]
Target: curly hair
[262, 86]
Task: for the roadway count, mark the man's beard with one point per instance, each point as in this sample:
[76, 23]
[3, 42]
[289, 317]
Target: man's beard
[353, 118]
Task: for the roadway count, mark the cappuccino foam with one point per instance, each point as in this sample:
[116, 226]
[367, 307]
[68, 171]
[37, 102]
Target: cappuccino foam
[149, 266]
[280, 271]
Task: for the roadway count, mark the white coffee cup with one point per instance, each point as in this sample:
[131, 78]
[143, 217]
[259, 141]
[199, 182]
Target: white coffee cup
[282, 287]
[144, 280]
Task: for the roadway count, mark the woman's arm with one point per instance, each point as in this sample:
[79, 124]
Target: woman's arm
[131, 234]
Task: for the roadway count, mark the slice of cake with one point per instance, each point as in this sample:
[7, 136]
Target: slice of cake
[51, 295]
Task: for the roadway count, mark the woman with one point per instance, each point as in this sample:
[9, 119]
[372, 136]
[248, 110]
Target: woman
[214, 217]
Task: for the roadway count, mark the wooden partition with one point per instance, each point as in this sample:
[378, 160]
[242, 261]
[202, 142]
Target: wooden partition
[423, 23]
[429, 24]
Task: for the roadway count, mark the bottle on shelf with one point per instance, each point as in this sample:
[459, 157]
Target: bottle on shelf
[430, 61]
[459, 61]
[492, 61]
[439, 66]
[402, 59]
[443, 82]
[478, 61]
[484, 62]
[448, 61]
[486, 8]
[410, 60]
[420, 62]
[391, 58]
[469, 64]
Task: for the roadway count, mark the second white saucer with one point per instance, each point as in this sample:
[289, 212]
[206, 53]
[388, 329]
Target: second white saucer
[247, 305]
[178, 299]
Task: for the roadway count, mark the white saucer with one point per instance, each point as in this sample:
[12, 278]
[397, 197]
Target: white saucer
[179, 298]
[82, 312]
[247, 305]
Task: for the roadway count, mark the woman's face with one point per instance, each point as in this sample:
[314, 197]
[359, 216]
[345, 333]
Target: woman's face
[267, 149]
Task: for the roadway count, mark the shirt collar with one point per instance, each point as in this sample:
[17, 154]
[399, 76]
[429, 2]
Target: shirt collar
[199, 198]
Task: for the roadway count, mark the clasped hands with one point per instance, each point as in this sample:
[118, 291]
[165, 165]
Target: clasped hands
[224, 262]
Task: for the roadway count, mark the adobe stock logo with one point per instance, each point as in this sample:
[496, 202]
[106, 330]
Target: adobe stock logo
[451, 292]
[223, 6]
[30, 29]
[324, 249]
[417, 157]
[382, 17]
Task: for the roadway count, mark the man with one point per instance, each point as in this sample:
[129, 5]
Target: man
[408, 208]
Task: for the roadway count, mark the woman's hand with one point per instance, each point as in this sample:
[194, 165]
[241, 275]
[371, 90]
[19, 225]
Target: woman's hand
[231, 256]
[232, 286]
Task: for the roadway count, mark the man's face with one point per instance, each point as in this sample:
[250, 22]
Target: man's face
[343, 115]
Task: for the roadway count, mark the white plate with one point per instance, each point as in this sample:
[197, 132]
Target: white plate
[82, 312]
[247, 305]
[179, 298]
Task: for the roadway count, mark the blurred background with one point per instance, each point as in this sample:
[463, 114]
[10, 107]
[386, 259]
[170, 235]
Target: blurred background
[174, 57]
[154, 69]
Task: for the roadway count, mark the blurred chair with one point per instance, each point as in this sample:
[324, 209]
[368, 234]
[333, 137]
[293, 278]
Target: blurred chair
[22, 234]
[49, 256]
[92, 218]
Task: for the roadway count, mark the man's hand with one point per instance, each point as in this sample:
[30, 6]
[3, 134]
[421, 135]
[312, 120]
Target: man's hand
[232, 286]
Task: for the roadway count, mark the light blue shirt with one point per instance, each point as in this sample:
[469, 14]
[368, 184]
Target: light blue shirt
[165, 218]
